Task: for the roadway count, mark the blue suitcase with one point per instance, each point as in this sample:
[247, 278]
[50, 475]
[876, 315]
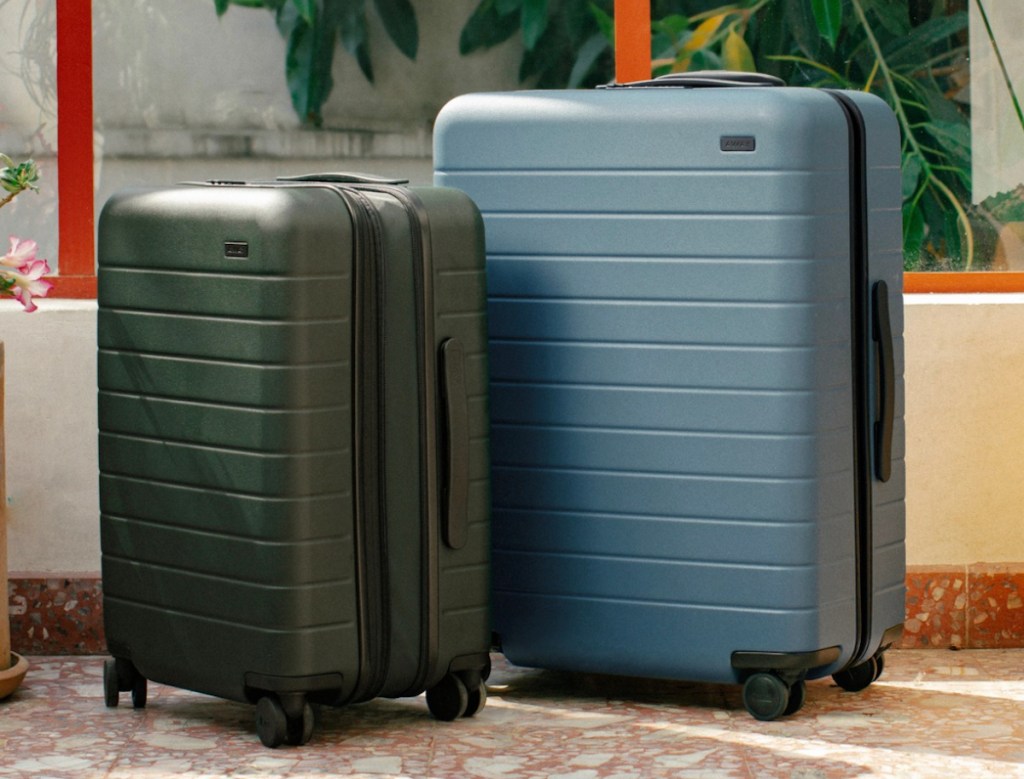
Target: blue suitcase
[695, 307]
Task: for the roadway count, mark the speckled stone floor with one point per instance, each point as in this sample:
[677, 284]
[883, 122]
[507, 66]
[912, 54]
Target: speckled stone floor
[933, 713]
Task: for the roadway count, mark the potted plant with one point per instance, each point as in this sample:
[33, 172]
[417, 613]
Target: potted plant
[21, 277]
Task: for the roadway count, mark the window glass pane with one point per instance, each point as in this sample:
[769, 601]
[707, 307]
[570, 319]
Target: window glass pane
[28, 118]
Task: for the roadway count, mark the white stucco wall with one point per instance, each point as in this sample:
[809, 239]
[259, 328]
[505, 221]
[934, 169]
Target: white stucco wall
[965, 432]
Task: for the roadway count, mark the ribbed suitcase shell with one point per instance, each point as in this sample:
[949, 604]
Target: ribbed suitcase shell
[672, 375]
[230, 428]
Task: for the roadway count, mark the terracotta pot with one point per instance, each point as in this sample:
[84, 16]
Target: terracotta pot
[11, 678]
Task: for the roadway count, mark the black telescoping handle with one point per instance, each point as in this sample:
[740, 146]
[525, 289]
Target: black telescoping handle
[455, 495]
[881, 333]
[697, 79]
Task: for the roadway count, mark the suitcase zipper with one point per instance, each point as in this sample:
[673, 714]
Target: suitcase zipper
[419, 230]
[860, 336]
[370, 527]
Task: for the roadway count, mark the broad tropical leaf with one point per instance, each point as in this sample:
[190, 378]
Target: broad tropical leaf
[828, 15]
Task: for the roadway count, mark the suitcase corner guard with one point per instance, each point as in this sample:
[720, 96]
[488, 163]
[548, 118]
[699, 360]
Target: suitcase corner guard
[784, 661]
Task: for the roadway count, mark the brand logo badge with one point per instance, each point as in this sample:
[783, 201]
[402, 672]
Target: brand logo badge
[737, 143]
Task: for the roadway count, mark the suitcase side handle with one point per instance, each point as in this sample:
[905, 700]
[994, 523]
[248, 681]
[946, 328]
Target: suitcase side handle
[881, 333]
[344, 178]
[704, 78]
[455, 493]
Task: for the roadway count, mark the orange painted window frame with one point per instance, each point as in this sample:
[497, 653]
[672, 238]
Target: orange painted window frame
[633, 63]
[76, 265]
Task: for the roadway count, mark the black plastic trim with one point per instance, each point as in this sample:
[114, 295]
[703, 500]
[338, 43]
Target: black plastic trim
[784, 661]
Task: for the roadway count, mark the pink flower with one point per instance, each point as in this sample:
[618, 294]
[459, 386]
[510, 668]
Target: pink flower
[22, 252]
[21, 274]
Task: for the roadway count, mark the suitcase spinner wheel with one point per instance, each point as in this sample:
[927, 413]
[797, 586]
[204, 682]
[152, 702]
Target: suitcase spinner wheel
[277, 725]
[456, 696]
[858, 677]
[119, 675]
[767, 696]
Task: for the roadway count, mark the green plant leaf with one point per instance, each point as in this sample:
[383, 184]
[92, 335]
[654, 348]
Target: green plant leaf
[351, 16]
[487, 27]
[736, 54]
[800, 22]
[589, 52]
[221, 6]
[894, 17]
[533, 20]
[307, 10]
[951, 235]
[911, 173]
[828, 16]
[504, 7]
[916, 48]
[308, 61]
[605, 22]
[913, 234]
[399, 20]
[954, 137]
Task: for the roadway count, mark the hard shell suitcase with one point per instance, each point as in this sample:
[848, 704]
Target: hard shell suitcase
[293, 445]
[696, 362]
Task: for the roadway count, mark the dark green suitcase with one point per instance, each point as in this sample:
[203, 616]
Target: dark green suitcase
[293, 445]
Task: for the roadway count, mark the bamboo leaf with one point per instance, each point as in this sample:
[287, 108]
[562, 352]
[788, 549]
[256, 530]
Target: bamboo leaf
[736, 54]
[828, 15]
[221, 6]
[399, 20]
[504, 7]
[534, 20]
[916, 48]
[702, 36]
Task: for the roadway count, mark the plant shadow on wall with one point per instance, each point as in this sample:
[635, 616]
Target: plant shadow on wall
[911, 53]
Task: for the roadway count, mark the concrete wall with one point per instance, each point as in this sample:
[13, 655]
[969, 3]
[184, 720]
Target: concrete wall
[965, 428]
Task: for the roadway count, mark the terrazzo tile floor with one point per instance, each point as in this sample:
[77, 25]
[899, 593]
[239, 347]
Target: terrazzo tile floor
[933, 713]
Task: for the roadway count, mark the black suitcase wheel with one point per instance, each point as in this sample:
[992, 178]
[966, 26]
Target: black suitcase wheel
[858, 677]
[139, 690]
[119, 675]
[765, 696]
[449, 700]
[476, 700]
[797, 696]
[300, 729]
[111, 688]
[271, 722]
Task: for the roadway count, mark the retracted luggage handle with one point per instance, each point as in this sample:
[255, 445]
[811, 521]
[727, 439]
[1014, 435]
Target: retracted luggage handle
[344, 178]
[455, 491]
[704, 78]
[881, 333]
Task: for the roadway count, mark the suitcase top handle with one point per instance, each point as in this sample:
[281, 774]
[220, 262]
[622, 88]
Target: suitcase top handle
[344, 178]
[705, 78]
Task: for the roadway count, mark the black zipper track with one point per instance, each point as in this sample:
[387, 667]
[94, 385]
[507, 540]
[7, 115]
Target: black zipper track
[423, 281]
[860, 335]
